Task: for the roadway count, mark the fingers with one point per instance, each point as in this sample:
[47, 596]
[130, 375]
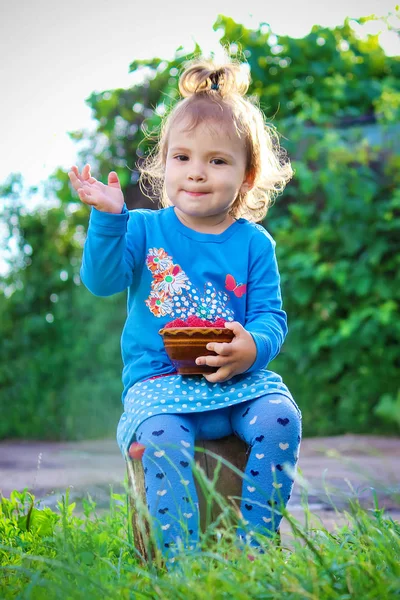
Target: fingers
[223, 349]
[85, 171]
[82, 182]
[86, 193]
[212, 361]
[85, 196]
[223, 374]
[236, 327]
[113, 179]
[86, 174]
[75, 176]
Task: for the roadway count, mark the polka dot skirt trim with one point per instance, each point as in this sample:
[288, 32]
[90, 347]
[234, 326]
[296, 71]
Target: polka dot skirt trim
[177, 394]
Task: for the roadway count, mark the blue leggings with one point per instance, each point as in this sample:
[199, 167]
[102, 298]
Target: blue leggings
[271, 426]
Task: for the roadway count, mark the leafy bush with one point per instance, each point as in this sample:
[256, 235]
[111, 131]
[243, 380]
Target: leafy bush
[338, 242]
[60, 358]
[336, 101]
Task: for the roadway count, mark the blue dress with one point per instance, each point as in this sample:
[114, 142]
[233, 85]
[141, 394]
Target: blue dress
[171, 271]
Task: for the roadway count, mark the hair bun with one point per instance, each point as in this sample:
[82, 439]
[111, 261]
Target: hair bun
[206, 76]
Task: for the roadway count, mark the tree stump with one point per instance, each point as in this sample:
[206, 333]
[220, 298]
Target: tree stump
[228, 485]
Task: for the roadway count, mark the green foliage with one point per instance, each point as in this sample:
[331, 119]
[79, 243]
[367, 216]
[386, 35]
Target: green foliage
[326, 78]
[58, 551]
[340, 268]
[59, 369]
[77, 557]
[336, 101]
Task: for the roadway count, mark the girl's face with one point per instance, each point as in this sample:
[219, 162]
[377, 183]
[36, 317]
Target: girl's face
[205, 171]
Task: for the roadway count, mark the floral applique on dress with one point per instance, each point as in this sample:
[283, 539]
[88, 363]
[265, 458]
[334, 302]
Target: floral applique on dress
[172, 293]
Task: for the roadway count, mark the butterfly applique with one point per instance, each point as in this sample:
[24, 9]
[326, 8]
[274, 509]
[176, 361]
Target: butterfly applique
[238, 289]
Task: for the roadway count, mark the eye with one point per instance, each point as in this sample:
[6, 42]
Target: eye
[181, 157]
[218, 161]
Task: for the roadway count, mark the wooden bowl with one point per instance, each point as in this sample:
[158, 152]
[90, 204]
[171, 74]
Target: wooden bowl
[184, 344]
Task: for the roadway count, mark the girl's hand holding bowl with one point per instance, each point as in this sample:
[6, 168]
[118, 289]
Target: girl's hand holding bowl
[218, 351]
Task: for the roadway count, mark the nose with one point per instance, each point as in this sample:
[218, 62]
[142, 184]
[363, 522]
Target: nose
[196, 173]
[196, 177]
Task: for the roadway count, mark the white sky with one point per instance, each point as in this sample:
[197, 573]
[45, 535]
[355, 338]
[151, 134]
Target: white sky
[53, 54]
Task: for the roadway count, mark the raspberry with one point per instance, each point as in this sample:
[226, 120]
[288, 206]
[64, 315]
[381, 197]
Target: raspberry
[208, 324]
[220, 322]
[176, 323]
[194, 321]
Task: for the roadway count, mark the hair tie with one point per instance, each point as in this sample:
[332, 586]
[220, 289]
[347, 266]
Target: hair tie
[214, 77]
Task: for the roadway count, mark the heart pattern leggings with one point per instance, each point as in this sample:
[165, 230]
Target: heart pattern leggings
[270, 425]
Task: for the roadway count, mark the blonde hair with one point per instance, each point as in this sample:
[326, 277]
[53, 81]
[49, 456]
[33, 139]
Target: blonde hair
[217, 92]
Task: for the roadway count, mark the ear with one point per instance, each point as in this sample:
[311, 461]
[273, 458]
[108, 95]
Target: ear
[248, 182]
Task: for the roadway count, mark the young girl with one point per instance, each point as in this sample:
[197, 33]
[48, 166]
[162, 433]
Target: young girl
[216, 168]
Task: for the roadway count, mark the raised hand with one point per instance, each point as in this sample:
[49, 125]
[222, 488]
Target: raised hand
[233, 358]
[106, 198]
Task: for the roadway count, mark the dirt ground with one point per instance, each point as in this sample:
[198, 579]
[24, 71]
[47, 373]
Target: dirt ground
[331, 471]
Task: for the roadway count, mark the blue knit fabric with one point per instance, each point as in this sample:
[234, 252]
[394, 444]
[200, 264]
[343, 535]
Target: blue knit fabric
[171, 271]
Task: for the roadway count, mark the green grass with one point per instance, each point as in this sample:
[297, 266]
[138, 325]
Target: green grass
[51, 555]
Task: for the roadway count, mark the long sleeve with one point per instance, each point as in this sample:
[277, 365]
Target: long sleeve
[265, 319]
[108, 259]
[171, 271]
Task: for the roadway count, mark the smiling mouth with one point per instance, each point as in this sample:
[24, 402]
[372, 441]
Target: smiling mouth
[195, 193]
